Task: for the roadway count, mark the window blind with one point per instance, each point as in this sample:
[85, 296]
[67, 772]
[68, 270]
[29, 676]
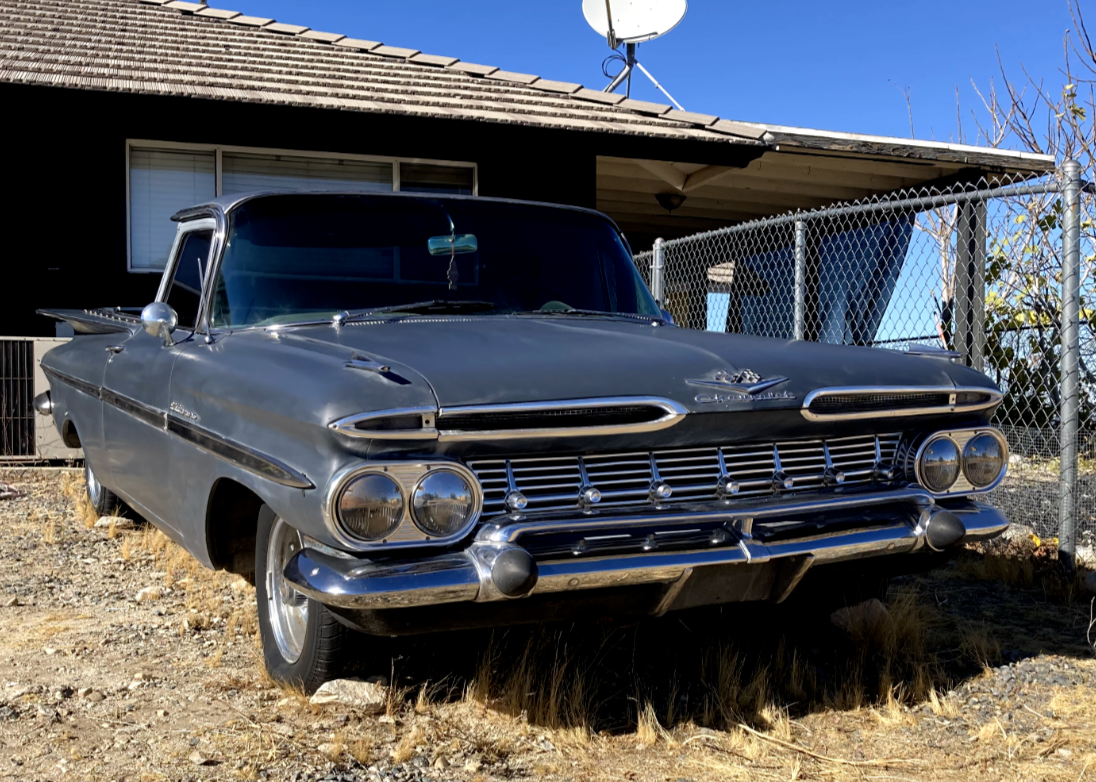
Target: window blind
[161, 182]
[244, 172]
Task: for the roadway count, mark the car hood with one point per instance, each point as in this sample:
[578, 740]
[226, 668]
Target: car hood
[501, 359]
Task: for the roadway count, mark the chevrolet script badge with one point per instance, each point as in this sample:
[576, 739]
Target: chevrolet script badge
[745, 384]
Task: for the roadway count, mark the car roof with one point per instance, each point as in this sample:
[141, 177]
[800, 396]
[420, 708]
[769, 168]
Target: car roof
[226, 204]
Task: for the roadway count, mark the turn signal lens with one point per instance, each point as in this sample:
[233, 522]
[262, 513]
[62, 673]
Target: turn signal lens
[983, 459]
[443, 503]
[940, 465]
[370, 507]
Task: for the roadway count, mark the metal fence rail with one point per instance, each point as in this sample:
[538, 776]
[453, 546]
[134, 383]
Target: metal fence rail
[994, 270]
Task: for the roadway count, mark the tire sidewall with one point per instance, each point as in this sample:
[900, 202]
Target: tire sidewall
[302, 671]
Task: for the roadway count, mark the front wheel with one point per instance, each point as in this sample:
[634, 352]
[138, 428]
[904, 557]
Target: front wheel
[304, 645]
[103, 500]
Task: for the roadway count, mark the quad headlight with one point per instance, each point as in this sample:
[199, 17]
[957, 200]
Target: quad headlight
[443, 503]
[940, 464]
[370, 507]
[984, 457]
[962, 461]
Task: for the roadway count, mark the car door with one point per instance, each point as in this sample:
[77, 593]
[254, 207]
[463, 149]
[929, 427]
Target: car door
[137, 383]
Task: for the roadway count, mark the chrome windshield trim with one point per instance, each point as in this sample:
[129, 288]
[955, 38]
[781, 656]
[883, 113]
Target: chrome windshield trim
[673, 413]
[349, 425]
[994, 395]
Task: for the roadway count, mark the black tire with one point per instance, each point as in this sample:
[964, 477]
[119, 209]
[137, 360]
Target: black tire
[322, 649]
[105, 502]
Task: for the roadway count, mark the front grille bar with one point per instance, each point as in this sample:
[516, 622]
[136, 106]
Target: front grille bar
[694, 474]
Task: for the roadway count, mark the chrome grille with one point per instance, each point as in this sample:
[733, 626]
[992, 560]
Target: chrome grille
[554, 482]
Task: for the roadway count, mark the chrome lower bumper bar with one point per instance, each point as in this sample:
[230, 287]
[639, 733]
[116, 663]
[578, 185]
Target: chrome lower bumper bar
[491, 568]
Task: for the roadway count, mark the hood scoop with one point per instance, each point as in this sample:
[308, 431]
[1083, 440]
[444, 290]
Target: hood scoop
[845, 404]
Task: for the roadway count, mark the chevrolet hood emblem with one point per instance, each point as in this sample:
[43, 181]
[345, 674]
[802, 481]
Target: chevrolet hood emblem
[744, 381]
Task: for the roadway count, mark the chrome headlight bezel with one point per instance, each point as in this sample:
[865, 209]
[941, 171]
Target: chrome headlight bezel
[347, 485]
[414, 498]
[923, 452]
[960, 437]
[1003, 443]
[407, 476]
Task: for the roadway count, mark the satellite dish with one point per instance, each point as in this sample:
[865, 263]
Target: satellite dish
[633, 21]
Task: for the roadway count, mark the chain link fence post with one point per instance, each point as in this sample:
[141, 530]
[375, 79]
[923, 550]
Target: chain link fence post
[800, 253]
[657, 265]
[1070, 410]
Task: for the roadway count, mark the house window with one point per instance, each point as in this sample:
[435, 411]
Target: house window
[166, 177]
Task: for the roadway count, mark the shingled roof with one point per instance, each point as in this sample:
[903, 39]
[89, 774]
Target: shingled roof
[172, 47]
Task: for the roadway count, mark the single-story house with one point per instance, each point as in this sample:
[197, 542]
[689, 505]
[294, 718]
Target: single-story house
[119, 112]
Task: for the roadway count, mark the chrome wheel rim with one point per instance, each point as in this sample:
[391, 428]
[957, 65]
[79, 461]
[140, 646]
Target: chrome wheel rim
[94, 488]
[286, 607]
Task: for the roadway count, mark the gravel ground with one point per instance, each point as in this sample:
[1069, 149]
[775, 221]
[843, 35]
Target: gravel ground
[122, 659]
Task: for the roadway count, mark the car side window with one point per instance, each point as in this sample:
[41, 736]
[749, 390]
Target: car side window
[185, 292]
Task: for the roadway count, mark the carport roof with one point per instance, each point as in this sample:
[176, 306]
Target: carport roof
[171, 47]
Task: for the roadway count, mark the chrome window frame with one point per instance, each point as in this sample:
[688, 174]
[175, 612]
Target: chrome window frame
[994, 395]
[408, 533]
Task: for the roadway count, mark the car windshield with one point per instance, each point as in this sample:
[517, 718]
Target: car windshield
[307, 257]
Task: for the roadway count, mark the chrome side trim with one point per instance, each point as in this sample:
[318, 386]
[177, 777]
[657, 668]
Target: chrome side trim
[994, 395]
[253, 461]
[240, 455]
[673, 412]
[349, 426]
[407, 475]
[79, 385]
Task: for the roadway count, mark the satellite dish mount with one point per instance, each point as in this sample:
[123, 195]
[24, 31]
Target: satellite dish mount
[632, 22]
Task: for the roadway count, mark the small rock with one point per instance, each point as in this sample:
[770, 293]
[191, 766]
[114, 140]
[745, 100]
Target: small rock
[161, 713]
[95, 696]
[1065, 753]
[7, 713]
[47, 714]
[866, 617]
[49, 651]
[440, 762]
[198, 759]
[367, 697]
[12, 602]
[83, 692]
[149, 593]
[472, 766]
[119, 522]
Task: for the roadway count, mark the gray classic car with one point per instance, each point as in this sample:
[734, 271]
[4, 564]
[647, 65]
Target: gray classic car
[407, 414]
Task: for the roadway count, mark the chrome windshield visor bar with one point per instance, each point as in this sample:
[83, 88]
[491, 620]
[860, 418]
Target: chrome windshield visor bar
[493, 565]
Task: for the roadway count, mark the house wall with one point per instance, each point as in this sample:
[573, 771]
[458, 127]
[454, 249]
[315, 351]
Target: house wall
[65, 177]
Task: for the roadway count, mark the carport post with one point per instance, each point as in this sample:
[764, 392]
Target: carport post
[657, 267]
[800, 276]
[1071, 309]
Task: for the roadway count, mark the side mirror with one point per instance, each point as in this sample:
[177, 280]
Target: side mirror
[666, 316]
[159, 320]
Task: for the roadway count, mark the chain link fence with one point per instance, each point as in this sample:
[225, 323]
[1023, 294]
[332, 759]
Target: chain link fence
[985, 270]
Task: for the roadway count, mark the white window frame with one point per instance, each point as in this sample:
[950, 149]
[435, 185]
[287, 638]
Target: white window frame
[220, 149]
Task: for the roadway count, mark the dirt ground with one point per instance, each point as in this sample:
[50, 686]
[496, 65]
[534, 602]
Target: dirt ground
[122, 659]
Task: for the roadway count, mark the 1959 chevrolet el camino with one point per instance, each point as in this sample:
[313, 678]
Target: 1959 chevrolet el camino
[404, 414]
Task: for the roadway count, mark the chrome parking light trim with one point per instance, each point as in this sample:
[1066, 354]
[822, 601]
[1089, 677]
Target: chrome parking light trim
[994, 399]
[960, 437]
[673, 412]
[407, 475]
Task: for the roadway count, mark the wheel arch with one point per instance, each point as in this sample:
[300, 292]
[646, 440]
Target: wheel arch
[232, 517]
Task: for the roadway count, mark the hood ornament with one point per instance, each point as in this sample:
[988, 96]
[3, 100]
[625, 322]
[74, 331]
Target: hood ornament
[742, 386]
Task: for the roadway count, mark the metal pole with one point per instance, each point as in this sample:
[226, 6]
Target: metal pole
[656, 272]
[1071, 307]
[800, 277]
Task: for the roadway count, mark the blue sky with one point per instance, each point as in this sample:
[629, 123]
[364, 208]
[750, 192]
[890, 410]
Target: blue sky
[838, 66]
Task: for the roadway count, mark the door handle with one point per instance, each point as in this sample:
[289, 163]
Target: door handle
[114, 350]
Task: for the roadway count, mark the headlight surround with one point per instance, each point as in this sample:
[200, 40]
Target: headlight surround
[939, 464]
[370, 507]
[443, 503]
[984, 457]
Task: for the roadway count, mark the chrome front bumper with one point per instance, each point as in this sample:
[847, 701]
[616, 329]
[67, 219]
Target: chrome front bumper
[472, 575]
